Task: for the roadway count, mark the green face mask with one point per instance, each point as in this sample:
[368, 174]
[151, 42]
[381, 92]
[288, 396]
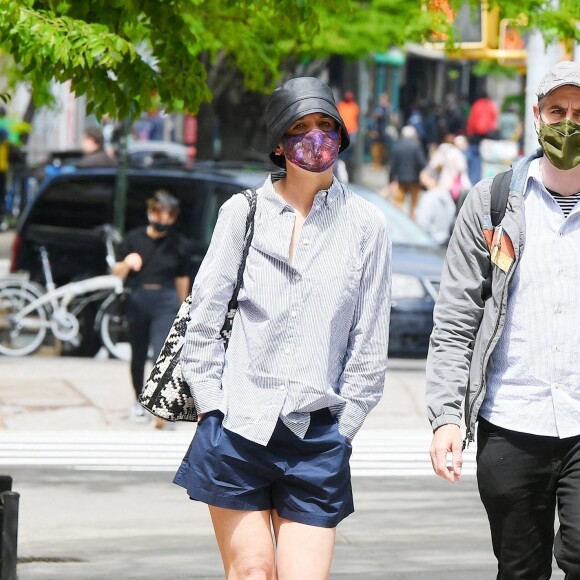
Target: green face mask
[561, 143]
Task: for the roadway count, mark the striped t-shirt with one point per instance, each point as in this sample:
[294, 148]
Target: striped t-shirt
[566, 202]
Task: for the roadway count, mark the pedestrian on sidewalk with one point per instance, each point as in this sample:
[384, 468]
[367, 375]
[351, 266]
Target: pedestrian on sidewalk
[450, 163]
[436, 210]
[407, 162]
[307, 356]
[482, 123]
[4, 170]
[155, 263]
[349, 112]
[379, 121]
[505, 346]
[94, 154]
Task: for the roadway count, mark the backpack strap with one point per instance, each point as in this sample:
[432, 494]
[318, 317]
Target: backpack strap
[500, 189]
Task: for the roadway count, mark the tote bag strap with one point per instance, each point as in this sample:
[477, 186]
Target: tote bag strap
[226, 330]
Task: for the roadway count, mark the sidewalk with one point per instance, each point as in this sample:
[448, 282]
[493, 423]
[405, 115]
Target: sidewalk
[45, 393]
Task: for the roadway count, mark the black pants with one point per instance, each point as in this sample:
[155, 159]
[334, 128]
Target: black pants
[522, 479]
[150, 314]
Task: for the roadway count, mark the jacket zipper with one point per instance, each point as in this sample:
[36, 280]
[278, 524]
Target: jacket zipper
[469, 437]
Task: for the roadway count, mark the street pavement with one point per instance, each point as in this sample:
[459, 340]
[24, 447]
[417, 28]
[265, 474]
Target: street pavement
[97, 502]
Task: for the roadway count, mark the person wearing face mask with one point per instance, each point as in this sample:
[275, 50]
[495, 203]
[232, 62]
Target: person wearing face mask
[505, 346]
[307, 356]
[155, 263]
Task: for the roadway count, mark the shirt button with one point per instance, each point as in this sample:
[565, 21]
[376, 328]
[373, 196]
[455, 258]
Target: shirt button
[296, 277]
[306, 242]
[280, 387]
[293, 314]
[287, 350]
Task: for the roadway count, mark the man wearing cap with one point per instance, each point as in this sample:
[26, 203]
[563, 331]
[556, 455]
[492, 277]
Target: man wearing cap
[505, 346]
[307, 356]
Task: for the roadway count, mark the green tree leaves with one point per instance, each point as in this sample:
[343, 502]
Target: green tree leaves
[125, 55]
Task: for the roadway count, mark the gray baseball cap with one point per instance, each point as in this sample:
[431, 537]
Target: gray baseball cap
[566, 72]
[295, 99]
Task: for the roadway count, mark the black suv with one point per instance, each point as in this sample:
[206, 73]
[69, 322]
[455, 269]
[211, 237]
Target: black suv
[66, 212]
[69, 208]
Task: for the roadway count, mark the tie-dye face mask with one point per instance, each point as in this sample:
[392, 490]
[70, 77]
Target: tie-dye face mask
[314, 151]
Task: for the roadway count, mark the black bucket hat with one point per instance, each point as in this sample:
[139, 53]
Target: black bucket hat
[294, 99]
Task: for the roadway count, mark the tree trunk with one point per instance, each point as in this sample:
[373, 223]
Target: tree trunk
[232, 128]
[205, 132]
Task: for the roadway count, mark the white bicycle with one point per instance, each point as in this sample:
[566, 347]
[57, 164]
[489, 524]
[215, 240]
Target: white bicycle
[28, 311]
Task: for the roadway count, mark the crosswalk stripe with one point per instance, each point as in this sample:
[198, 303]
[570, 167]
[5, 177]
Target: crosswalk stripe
[376, 453]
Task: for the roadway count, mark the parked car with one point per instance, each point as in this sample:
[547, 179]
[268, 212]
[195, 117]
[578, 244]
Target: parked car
[417, 266]
[68, 209]
[143, 153]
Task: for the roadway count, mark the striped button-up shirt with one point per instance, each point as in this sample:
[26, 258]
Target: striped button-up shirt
[308, 334]
[534, 382]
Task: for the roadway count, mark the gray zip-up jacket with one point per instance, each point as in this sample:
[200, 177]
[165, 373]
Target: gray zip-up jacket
[470, 312]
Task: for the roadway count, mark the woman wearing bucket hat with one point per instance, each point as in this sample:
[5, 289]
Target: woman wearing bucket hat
[307, 356]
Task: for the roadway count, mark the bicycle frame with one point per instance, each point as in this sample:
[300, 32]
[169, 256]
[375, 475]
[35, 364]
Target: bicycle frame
[60, 298]
[30, 310]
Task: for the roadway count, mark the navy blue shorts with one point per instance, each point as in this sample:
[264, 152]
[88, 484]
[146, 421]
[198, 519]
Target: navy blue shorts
[304, 480]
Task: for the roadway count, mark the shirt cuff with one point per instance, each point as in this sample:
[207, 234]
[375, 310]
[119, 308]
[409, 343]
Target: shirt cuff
[207, 396]
[350, 420]
[446, 419]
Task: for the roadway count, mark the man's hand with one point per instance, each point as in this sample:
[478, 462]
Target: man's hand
[447, 439]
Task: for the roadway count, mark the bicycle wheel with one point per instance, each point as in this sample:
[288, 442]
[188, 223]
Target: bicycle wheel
[20, 336]
[18, 283]
[114, 327]
[89, 341]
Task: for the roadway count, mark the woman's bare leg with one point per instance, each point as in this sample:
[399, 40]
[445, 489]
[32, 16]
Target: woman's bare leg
[303, 551]
[245, 542]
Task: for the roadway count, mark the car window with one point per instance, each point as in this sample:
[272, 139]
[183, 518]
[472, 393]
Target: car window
[74, 203]
[192, 193]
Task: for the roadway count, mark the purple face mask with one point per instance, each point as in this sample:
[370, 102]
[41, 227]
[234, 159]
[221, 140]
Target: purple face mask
[314, 151]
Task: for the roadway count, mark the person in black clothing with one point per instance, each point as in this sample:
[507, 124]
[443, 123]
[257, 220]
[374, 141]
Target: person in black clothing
[154, 262]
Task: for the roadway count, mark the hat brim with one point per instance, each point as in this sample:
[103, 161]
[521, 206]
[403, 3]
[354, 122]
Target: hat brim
[557, 86]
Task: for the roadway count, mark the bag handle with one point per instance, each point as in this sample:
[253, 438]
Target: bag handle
[226, 331]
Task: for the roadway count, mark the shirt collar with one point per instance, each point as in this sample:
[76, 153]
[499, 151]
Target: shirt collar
[275, 205]
[533, 179]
